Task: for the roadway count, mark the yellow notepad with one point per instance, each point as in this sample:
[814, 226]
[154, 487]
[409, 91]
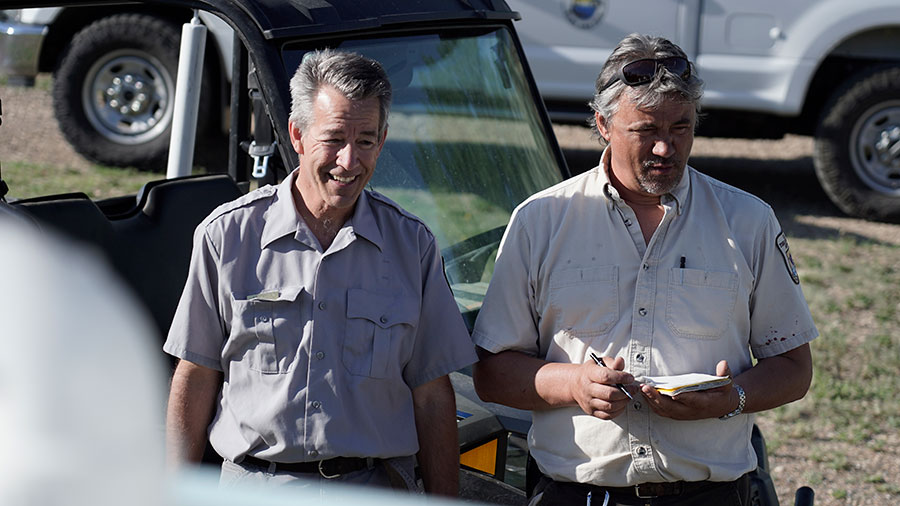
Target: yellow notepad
[681, 383]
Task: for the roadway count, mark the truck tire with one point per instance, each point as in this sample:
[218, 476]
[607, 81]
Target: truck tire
[114, 91]
[857, 145]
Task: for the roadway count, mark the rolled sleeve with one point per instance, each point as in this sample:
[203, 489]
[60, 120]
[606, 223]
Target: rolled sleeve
[197, 334]
[442, 343]
[508, 320]
[779, 316]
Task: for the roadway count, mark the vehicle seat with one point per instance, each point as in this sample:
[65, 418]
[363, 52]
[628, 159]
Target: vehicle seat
[72, 214]
[149, 245]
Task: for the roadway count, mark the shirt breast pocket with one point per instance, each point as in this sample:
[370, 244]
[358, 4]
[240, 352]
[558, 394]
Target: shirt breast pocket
[270, 326]
[700, 304]
[585, 300]
[376, 326]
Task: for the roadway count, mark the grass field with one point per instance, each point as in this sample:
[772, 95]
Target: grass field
[34, 179]
[844, 433]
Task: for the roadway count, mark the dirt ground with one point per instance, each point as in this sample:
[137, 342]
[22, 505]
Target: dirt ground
[780, 172]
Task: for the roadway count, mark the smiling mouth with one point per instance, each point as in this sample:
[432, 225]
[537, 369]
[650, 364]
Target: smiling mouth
[344, 180]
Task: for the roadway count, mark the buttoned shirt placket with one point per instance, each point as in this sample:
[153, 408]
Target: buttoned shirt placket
[319, 391]
[642, 317]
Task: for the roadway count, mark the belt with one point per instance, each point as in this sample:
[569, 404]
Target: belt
[651, 490]
[331, 468]
[642, 490]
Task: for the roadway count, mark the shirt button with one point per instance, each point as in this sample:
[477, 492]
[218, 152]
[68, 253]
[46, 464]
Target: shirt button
[322, 305]
[637, 405]
[646, 266]
[320, 355]
[627, 223]
[313, 453]
[639, 357]
[642, 451]
[384, 319]
[642, 312]
[263, 319]
[316, 404]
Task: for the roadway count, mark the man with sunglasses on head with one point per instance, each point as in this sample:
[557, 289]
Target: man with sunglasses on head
[658, 270]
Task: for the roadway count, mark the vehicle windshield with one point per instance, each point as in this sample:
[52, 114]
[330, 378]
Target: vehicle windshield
[465, 143]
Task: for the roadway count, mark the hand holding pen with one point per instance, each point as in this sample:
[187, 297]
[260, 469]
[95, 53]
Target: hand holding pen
[599, 361]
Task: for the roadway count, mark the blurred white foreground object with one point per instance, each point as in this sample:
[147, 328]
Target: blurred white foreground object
[198, 486]
[81, 380]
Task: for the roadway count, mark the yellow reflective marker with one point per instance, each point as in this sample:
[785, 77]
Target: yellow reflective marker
[481, 458]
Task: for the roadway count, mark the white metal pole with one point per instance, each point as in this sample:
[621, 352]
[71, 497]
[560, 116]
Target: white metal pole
[187, 98]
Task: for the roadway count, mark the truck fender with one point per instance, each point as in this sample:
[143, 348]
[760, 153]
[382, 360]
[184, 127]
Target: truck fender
[823, 29]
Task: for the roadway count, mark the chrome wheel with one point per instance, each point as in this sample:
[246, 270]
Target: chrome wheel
[128, 96]
[875, 147]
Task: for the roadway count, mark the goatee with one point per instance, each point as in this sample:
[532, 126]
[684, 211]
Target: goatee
[660, 184]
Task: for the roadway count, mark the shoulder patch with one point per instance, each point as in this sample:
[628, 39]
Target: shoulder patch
[781, 242]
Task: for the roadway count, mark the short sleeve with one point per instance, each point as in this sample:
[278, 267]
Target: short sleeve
[442, 341]
[779, 315]
[508, 319]
[197, 334]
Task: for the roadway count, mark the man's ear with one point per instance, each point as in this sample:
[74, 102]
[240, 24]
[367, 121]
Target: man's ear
[383, 138]
[296, 138]
[601, 126]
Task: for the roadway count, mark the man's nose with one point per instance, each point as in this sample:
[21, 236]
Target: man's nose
[663, 147]
[347, 156]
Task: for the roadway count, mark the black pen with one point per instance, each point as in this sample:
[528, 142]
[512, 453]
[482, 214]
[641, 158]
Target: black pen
[599, 361]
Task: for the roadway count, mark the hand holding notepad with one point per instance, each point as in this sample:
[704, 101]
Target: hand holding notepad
[681, 383]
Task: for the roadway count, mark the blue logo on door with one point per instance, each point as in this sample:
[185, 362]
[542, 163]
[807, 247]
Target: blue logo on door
[584, 14]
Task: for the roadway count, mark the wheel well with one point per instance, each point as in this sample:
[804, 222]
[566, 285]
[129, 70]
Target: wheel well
[71, 20]
[851, 56]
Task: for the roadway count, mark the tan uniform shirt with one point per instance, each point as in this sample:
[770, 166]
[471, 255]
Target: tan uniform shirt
[574, 276]
[320, 350]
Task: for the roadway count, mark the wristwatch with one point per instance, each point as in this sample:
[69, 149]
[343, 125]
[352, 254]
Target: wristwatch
[742, 398]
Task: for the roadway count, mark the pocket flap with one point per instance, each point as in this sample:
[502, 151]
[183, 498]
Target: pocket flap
[381, 309]
[576, 276]
[281, 294]
[711, 279]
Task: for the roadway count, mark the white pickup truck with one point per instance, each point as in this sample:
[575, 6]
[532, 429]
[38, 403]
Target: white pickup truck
[828, 68]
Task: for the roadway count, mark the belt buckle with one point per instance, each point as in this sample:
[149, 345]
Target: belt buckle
[643, 495]
[326, 475]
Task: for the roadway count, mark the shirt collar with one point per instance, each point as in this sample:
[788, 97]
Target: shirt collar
[363, 220]
[678, 194]
[282, 218]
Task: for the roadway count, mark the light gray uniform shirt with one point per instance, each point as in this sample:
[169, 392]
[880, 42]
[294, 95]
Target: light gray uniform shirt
[574, 276]
[320, 350]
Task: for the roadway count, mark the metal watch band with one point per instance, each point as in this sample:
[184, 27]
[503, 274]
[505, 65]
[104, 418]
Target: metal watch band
[742, 397]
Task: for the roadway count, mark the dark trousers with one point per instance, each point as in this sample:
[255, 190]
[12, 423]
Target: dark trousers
[708, 493]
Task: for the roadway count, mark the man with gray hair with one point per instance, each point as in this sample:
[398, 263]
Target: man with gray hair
[638, 268]
[316, 329]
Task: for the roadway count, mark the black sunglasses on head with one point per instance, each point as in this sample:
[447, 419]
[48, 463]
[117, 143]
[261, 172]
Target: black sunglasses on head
[644, 70]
